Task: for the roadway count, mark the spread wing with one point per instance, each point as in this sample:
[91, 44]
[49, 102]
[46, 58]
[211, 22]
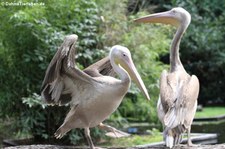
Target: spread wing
[61, 66]
[102, 67]
[63, 81]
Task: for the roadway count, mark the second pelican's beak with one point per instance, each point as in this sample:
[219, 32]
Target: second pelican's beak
[128, 65]
[168, 17]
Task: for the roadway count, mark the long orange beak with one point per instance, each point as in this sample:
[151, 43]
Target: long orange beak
[167, 17]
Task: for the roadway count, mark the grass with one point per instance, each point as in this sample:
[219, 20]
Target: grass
[210, 112]
[133, 140]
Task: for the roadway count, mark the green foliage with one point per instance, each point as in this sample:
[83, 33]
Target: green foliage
[29, 37]
[133, 140]
[210, 112]
[41, 122]
[34, 116]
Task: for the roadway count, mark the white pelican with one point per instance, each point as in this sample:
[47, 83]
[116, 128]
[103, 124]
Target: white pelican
[178, 90]
[92, 95]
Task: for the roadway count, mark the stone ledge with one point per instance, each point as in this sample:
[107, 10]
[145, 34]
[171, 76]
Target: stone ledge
[197, 138]
[217, 146]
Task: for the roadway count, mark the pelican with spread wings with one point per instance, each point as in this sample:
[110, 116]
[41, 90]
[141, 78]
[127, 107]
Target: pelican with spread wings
[179, 91]
[93, 93]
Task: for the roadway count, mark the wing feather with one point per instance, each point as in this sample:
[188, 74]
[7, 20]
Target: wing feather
[55, 89]
[62, 65]
[102, 67]
[169, 96]
[188, 101]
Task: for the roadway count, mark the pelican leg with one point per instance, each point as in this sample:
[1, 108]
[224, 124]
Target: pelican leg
[116, 132]
[189, 143]
[177, 139]
[87, 135]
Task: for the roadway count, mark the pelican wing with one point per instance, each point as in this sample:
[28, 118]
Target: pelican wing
[62, 66]
[167, 90]
[102, 67]
[178, 98]
[188, 101]
[168, 97]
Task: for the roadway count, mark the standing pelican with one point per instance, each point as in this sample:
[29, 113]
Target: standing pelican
[178, 90]
[92, 94]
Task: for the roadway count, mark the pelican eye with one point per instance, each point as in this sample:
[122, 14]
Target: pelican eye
[124, 54]
[173, 11]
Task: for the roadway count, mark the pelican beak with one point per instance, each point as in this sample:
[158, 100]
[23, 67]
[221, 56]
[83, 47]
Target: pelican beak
[167, 17]
[128, 65]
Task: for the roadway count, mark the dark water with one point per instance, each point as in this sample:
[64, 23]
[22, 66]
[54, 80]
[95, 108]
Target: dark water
[217, 127]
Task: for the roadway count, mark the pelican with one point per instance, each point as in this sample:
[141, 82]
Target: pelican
[92, 94]
[179, 91]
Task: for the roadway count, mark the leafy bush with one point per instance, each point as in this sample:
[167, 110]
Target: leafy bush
[41, 121]
[29, 37]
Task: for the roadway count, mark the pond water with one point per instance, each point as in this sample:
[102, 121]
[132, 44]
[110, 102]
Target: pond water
[217, 127]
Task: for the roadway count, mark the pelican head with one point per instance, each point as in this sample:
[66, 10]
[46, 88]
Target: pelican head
[121, 57]
[176, 17]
